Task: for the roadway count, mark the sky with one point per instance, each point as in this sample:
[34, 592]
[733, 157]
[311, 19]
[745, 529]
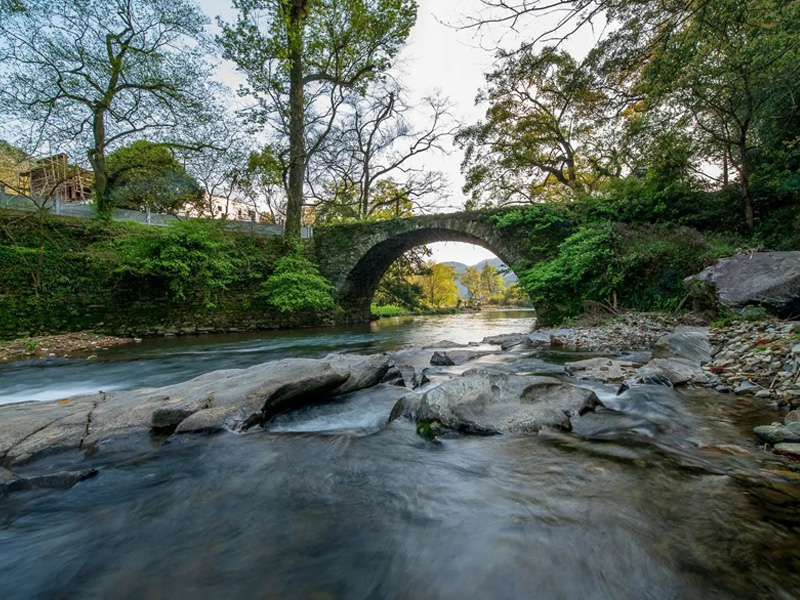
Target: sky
[436, 57]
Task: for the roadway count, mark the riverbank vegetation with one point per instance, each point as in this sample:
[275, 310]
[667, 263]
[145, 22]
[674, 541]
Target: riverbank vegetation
[61, 274]
[675, 140]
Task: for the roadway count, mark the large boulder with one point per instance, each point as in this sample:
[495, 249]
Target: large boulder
[768, 279]
[363, 371]
[233, 400]
[484, 403]
[689, 343]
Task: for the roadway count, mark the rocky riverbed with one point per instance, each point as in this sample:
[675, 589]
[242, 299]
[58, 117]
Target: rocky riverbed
[496, 386]
[83, 343]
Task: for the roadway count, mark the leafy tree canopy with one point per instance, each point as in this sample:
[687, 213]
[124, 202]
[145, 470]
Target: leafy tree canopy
[147, 175]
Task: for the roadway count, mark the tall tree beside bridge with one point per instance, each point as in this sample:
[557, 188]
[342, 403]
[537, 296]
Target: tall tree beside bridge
[725, 73]
[87, 74]
[302, 58]
[542, 136]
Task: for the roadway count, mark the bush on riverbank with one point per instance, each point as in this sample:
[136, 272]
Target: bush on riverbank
[296, 285]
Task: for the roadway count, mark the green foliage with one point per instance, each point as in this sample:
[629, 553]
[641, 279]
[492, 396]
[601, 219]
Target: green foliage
[398, 286]
[492, 285]
[91, 73]
[438, 285]
[388, 310]
[582, 270]
[146, 175]
[642, 267]
[64, 274]
[471, 279]
[296, 54]
[297, 286]
[191, 258]
[544, 225]
[343, 204]
[542, 136]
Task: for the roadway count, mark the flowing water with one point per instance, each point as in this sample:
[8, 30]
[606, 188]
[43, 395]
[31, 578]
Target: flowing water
[660, 495]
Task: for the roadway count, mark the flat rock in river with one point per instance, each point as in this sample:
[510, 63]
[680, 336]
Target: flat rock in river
[792, 450]
[778, 434]
[689, 343]
[677, 371]
[507, 341]
[444, 344]
[488, 404]
[233, 399]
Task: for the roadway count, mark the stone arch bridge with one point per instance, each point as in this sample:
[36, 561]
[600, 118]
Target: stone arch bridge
[355, 257]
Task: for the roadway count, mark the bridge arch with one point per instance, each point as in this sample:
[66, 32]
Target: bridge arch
[355, 257]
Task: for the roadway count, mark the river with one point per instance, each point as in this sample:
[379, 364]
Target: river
[662, 495]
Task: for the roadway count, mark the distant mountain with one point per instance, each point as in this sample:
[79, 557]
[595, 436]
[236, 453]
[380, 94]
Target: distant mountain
[508, 274]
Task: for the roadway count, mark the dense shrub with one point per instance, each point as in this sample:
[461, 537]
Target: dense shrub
[62, 274]
[297, 286]
[642, 267]
[194, 258]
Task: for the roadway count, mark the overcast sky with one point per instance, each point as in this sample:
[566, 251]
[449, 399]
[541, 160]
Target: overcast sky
[437, 57]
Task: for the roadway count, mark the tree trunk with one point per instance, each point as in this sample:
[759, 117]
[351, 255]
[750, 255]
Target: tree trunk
[297, 143]
[725, 169]
[744, 174]
[366, 192]
[97, 158]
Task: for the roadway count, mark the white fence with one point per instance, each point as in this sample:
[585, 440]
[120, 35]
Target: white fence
[86, 211]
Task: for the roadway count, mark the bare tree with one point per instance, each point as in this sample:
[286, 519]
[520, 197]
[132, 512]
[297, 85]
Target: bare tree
[377, 141]
[90, 73]
[221, 166]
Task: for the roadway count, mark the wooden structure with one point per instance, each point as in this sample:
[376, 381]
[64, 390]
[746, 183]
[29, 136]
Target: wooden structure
[54, 178]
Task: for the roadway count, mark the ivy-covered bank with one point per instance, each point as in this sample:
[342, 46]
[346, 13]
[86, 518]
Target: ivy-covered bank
[61, 275]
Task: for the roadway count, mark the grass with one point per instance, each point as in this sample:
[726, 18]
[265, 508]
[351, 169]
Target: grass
[390, 310]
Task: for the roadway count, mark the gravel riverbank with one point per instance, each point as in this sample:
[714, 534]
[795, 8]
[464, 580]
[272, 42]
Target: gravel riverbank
[58, 346]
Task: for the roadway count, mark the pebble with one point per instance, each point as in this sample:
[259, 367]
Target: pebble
[759, 358]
